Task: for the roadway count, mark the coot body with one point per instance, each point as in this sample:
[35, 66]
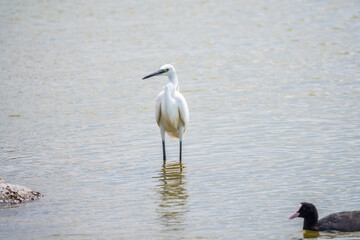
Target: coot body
[341, 221]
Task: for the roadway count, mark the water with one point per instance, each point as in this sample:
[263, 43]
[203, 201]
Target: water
[274, 98]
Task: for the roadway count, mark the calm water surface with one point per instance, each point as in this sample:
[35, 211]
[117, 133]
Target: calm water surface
[273, 89]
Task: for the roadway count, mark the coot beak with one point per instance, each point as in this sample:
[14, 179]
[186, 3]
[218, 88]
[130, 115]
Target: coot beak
[294, 215]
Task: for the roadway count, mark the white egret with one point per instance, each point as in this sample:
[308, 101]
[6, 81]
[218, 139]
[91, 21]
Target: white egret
[172, 113]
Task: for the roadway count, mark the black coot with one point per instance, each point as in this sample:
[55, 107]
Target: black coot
[341, 221]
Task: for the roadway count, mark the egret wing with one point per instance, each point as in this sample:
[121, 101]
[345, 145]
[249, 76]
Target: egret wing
[183, 109]
[158, 107]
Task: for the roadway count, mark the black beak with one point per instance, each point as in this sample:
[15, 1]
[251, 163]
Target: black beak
[154, 74]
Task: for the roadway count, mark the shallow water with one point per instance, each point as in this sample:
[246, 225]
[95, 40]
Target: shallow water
[274, 97]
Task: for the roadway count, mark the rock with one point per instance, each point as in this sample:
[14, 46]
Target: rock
[11, 193]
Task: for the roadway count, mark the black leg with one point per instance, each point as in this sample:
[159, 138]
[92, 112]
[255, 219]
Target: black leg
[180, 150]
[164, 154]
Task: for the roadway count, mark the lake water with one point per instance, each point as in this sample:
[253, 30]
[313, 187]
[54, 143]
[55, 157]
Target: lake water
[273, 89]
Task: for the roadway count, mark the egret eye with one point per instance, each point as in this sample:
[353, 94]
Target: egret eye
[166, 70]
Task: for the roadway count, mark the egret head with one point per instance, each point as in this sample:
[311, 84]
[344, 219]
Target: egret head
[166, 70]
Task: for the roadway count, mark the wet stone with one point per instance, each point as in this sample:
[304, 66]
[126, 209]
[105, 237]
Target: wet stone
[12, 193]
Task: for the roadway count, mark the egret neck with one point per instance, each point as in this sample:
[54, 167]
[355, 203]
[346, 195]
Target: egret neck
[173, 79]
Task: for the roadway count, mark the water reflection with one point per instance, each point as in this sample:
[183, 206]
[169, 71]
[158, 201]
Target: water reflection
[307, 234]
[310, 234]
[173, 196]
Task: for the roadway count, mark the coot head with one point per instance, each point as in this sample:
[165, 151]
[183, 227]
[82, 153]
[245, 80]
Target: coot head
[309, 213]
[305, 210]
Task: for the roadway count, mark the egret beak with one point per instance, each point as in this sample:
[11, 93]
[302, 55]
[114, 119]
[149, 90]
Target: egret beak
[294, 215]
[161, 71]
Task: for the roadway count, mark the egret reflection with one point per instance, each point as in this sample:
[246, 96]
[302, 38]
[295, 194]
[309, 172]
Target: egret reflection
[172, 196]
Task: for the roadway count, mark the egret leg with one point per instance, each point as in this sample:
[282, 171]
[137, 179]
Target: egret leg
[164, 153]
[162, 132]
[180, 151]
[181, 133]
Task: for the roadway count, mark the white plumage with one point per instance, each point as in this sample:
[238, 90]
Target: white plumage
[171, 113]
